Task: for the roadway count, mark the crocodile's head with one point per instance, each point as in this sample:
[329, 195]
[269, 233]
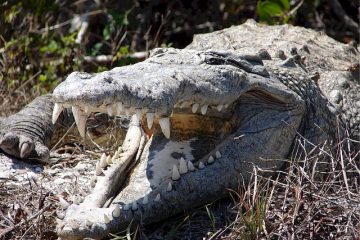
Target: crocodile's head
[201, 121]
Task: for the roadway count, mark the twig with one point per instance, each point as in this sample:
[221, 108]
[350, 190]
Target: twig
[109, 58]
[59, 25]
[24, 221]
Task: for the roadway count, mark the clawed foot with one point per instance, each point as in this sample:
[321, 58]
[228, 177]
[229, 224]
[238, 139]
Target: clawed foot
[23, 147]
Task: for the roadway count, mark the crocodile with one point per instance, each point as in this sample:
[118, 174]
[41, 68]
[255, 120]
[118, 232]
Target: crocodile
[200, 120]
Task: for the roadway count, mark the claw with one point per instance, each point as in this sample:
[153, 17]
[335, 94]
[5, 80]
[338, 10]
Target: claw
[26, 148]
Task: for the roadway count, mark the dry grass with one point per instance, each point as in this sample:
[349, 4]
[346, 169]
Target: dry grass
[317, 196]
[14, 99]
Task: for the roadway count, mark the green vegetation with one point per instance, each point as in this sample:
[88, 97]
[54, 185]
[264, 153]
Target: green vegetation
[42, 41]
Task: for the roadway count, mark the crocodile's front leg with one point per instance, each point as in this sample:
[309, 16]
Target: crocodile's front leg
[27, 133]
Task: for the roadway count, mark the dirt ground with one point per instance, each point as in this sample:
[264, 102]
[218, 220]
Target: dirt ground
[294, 205]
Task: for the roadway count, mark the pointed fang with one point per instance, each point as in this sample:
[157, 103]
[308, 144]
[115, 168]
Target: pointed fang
[103, 162]
[60, 215]
[220, 107]
[175, 173]
[88, 223]
[211, 159]
[169, 187]
[63, 203]
[190, 166]
[158, 198]
[111, 160]
[150, 119]
[201, 165]
[77, 199]
[80, 119]
[217, 154]
[110, 110]
[103, 157]
[165, 126]
[73, 224]
[106, 219]
[145, 200]
[127, 111]
[98, 170]
[138, 114]
[134, 206]
[183, 166]
[204, 109]
[194, 107]
[58, 108]
[119, 108]
[116, 212]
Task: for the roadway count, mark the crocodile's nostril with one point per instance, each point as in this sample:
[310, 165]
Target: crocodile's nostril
[108, 79]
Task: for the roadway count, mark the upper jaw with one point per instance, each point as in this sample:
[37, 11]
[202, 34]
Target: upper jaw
[156, 85]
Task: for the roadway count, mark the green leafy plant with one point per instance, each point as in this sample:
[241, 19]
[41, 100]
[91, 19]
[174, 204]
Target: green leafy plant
[274, 11]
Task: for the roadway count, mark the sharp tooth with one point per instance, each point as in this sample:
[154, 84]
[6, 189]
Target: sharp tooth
[190, 166]
[110, 110]
[116, 212]
[88, 223]
[73, 224]
[93, 181]
[60, 215]
[80, 119]
[158, 198]
[165, 126]
[106, 219]
[134, 206]
[127, 111]
[103, 162]
[138, 114]
[169, 187]
[194, 107]
[211, 159]
[111, 160]
[204, 109]
[76, 199]
[103, 157]
[126, 207]
[183, 166]
[145, 200]
[150, 119]
[58, 108]
[201, 165]
[217, 154]
[63, 203]
[98, 170]
[175, 173]
[119, 108]
[220, 107]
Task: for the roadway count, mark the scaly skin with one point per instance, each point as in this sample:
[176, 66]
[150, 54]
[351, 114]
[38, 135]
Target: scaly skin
[310, 89]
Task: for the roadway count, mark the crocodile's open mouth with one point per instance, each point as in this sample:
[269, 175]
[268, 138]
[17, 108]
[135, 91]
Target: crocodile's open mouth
[181, 140]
